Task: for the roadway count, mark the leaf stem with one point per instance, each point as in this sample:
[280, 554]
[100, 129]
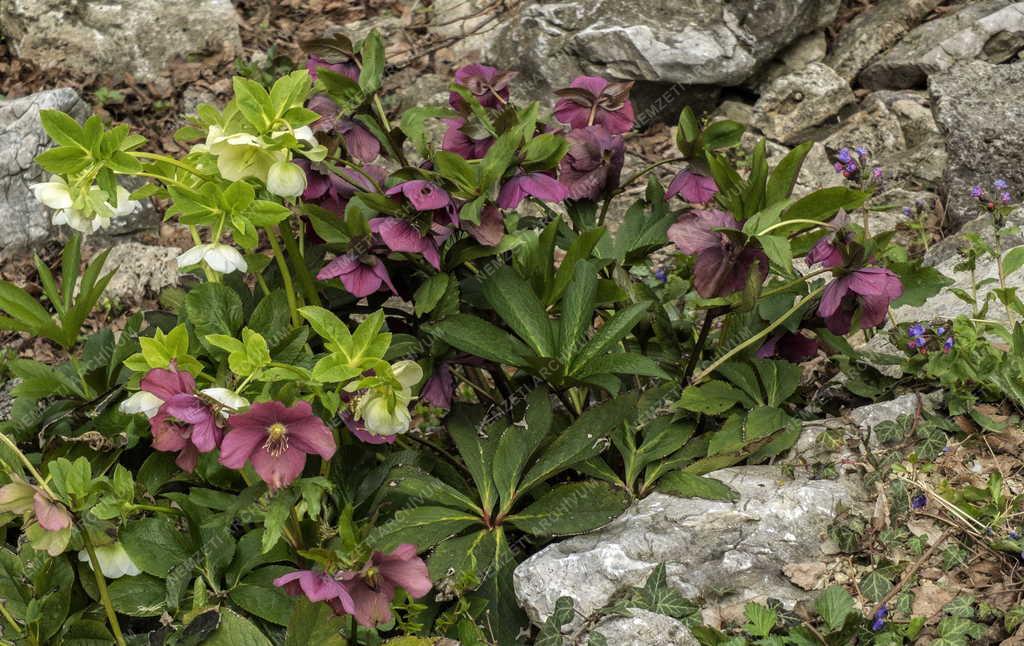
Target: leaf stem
[703, 374]
[101, 585]
[169, 160]
[28, 465]
[803, 279]
[637, 175]
[286, 276]
[305, 278]
[785, 223]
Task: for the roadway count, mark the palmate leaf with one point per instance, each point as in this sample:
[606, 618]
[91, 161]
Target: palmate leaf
[478, 337]
[577, 309]
[477, 445]
[572, 508]
[834, 605]
[459, 557]
[520, 309]
[422, 486]
[613, 331]
[517, 445]
[585, 438]
[503, 617]
[424, 527]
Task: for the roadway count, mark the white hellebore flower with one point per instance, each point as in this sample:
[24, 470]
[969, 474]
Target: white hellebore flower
[374, 407]
[90, 217]
[227, 398]
[114, 561]
[286, 179]
[242, 155]
[221, 258]
[141, 402]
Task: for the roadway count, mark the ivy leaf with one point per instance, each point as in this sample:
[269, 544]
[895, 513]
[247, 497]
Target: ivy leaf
[875, 586]
[551, 631]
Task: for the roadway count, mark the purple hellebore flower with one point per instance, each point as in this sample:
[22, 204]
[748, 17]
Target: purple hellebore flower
[692, 187]
[722, 267]
[828, 250]
[593, 100]
[491, 229]
[347, 68]
[403, 237]
[542, 186]
[488, 84]
[184, 423]
[373, 587]
[440, 387]
[791, 346]
[359, 142]
[457, 141]
[423, 195]
[361, 275]
[331, 190]
[276, 439]
[869, 289]
[593, 164]
[317, 586]
[51, 516]
[358, 429]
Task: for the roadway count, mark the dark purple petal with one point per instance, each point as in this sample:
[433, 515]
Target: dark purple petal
[359, 142]
[693, 187]
[539, 185]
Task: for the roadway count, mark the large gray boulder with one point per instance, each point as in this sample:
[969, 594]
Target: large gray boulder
[23, 220]
[979, 108]
[990, 30]
[138, 37]
[142, 271]
[877, 29]
[690, 43]
[733, 552]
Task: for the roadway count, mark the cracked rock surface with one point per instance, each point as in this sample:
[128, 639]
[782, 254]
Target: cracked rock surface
[689, 42]
[138, 37]
[731, 551]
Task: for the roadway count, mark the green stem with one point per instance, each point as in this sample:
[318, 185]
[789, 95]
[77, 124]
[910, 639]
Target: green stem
[170, 160]
[786, 286]
[305, 278]
[286, 277]
[156, 509]
[10, 619]
[786, 223]
[101, 585]
[354, 631]
[28, 465]
[703, 374]
[635, 176]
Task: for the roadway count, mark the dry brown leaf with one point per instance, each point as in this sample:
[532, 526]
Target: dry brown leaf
[930, 599]
[807, 575]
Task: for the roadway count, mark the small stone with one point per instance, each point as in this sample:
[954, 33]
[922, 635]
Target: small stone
[797, 106]
[645, 628]
[806, 575]
[142, 271]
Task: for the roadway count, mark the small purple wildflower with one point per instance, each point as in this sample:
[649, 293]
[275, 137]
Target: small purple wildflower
[907, 212]
[660, 274]
[1014, 535]
[977, 191]
[915, 330]
[845, 156]
[862, 152]
[948, 345]
[839, 166]
[918, 501]
[852, 167]
[1000, 184]
[1006, 197]
[940, 330]
[877, 172]
[880, 616]
[920, 341]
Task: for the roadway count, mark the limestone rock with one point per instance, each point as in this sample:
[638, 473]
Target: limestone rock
[733, 548]
[137, 37]
[689, 43]
[645, 628]
[874, 31]
[990, 30]
[23, 220]
[808, 49]
[142, 270]
[978, 107]
[796, 106]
